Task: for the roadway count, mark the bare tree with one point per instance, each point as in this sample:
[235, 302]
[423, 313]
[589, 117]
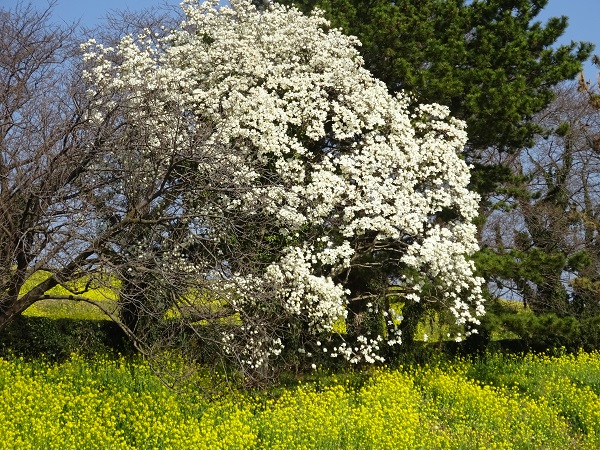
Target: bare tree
[64, 205]
[551, 236]
[85, 200]
[82, 200]
[42, 156]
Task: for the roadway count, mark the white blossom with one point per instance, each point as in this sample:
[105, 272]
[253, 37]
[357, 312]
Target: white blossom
[305, 138]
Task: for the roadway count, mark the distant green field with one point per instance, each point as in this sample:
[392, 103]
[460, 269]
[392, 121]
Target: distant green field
[68, 309]
[436, 328]
[432, 328]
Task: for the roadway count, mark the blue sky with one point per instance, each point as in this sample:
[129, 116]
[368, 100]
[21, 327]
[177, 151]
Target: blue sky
[583, 16]
[583, 25]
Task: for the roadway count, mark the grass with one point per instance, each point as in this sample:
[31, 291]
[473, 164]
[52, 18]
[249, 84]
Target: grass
[532, 402]
[69, 309]
[434, 327]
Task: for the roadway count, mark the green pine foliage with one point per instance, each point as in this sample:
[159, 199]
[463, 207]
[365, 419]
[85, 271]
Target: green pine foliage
[490, 61]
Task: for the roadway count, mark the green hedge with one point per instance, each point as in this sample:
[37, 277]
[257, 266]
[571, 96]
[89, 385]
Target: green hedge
[57, 339]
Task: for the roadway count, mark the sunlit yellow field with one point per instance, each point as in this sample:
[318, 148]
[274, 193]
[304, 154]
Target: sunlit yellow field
[502, 403]
[55, 309]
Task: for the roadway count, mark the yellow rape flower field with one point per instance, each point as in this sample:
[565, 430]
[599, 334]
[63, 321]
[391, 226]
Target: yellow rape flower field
[500, 402]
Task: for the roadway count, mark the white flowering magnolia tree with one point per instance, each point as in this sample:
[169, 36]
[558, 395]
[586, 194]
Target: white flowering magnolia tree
[287, 195]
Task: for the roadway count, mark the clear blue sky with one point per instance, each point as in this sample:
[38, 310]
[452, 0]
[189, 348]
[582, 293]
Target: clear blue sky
[583, 16]
[92, 11]
[583, 25]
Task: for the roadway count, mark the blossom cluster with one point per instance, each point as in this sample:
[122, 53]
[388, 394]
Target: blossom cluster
[303, 154]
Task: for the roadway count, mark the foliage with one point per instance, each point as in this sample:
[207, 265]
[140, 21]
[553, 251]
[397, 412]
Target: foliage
[545, 250]
[490, 62]
[537, 332]
[280, 179]
[497, 68]
[57, 338]
[496, 402]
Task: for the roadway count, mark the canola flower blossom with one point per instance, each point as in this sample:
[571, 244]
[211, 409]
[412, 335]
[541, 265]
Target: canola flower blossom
[530, 402]
[309, 145]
